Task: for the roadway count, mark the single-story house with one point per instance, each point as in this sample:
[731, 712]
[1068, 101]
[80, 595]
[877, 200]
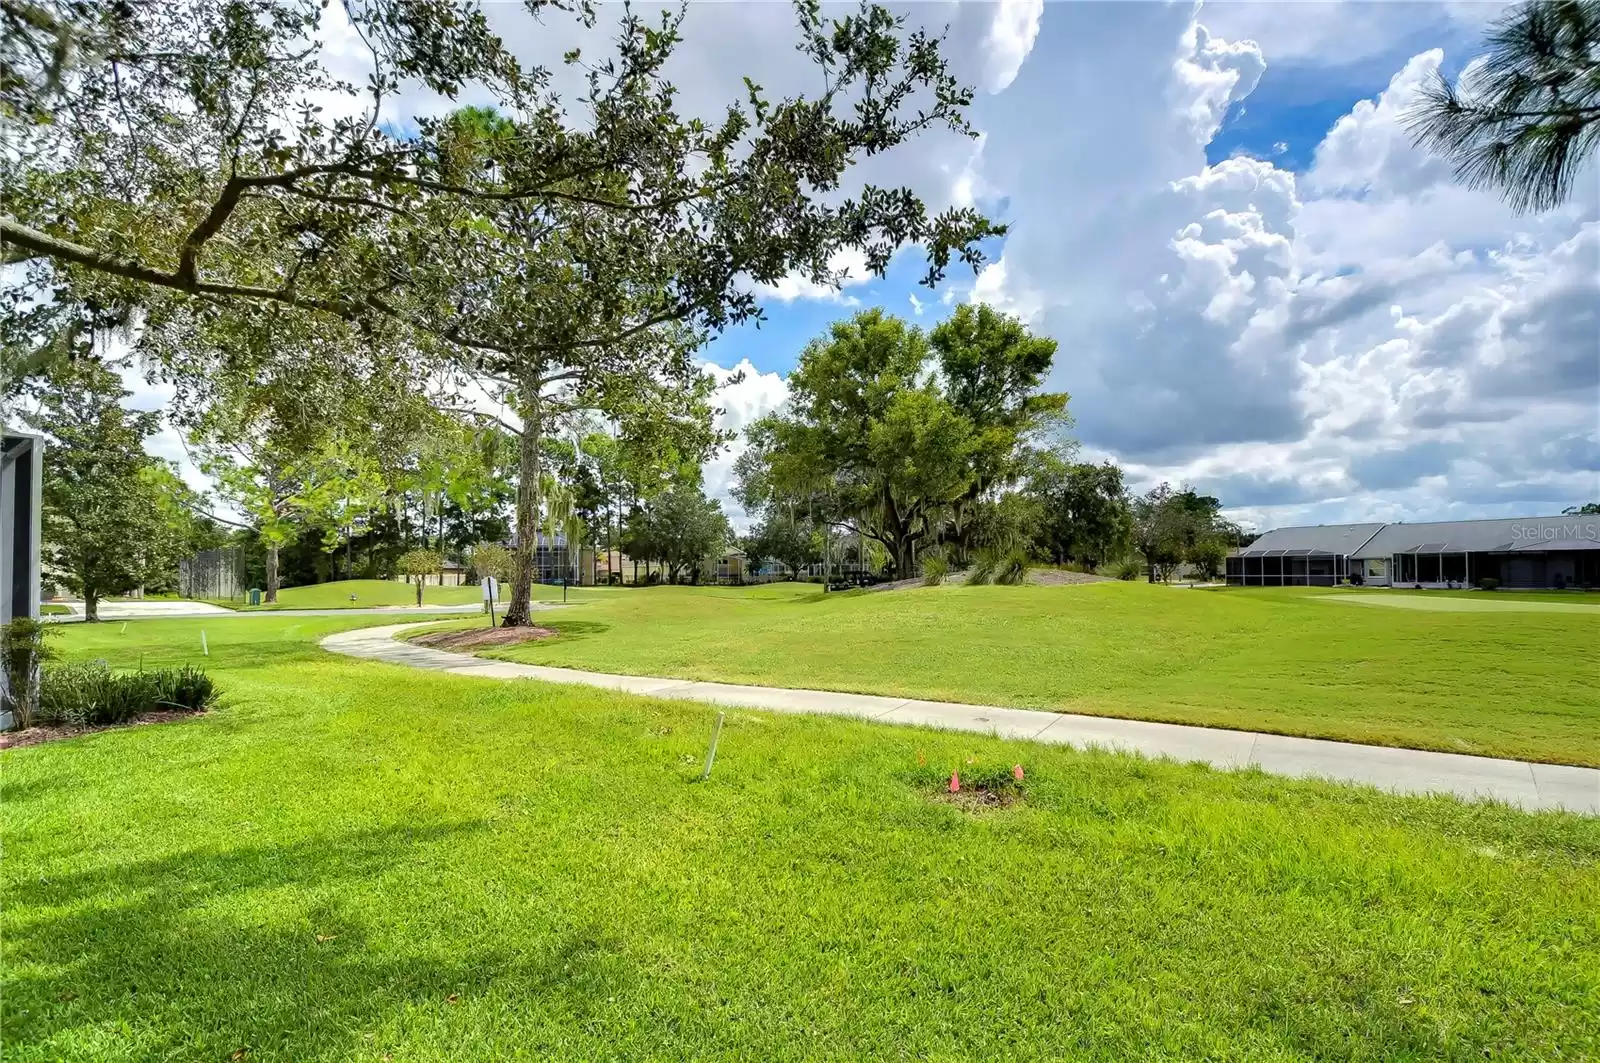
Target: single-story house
[729, 566]
[1521, 552]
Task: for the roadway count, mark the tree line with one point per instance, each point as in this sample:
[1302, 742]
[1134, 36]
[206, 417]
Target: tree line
[942, 444]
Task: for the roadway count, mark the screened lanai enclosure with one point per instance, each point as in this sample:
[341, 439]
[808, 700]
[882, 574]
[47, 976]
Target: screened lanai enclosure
[1299, 557]
[1429, 563]
[1287, 568]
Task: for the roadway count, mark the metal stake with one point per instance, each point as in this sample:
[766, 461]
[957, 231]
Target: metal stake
[711, 753]
[204, 649]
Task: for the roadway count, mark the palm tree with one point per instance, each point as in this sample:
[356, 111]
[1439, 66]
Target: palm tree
[1526, 116]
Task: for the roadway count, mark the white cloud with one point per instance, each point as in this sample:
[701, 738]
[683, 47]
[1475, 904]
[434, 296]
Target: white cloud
[1367, 339]
[992, 288]
[917, 305]
[754, 395]
[1011, 37]
[1369, 150]
[1209, 74]
[851, 267]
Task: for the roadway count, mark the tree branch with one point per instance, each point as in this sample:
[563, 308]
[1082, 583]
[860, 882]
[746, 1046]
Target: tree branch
[482, 415]
[30, 239]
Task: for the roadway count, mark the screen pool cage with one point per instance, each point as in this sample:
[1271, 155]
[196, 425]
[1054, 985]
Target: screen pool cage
[1287, 568]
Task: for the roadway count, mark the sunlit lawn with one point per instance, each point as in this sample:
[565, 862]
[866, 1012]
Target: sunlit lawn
[377, 592]
[356, 861]
[1513, 684]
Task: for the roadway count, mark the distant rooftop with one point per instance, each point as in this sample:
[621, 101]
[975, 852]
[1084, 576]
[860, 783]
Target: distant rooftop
[1494, 536]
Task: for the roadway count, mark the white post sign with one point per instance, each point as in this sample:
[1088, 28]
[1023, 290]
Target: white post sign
[491, 590]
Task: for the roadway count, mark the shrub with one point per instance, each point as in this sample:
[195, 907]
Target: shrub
[1488, 583]
[1127, 569]
[88, 694]
[493, 559]
[984, 563]
[22, 650]
[1012, 568]
[935, 567]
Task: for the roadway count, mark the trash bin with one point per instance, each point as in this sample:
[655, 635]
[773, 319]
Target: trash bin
[255, 596]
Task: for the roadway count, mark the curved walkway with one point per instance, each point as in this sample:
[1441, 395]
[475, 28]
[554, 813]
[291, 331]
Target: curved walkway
[1516, 782]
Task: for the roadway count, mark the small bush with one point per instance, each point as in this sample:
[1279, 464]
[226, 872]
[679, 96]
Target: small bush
[1012, 568]
[89, 694]
[22, 650]
[1488, 583]
[1126, 569]
[984, 562]
[935, 567]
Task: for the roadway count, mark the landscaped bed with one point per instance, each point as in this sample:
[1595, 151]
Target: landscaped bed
[355, 861]
[473, 639]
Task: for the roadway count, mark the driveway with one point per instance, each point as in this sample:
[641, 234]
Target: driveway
[130, 610]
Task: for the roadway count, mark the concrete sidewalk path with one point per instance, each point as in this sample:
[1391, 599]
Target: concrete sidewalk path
[1516, 782]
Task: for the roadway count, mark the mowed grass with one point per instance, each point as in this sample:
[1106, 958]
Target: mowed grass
[1511, 684]
[355, 861]
[372, 593]
[368, 592]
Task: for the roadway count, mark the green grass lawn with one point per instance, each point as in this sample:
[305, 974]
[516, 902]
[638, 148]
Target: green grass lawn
[51, 609]
[355, 861]
[368, 592]
[1510, 684]
[378, 592]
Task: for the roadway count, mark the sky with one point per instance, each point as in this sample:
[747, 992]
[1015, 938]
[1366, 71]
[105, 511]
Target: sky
[1257, 284]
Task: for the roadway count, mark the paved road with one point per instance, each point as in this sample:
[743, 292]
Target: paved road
[148, 610]
[1533, 786]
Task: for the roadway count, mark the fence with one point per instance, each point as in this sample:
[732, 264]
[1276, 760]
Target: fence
[212, 574]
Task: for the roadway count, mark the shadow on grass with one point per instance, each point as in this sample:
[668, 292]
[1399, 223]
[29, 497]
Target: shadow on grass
[572, 630]
[169, 952]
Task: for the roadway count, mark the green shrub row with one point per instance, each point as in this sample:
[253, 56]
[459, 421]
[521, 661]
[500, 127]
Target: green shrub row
[90, 693]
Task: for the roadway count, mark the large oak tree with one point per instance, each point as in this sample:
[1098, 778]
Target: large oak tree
[874, 440]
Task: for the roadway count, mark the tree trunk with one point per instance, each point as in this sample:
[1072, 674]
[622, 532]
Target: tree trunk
[272, 574]
[91, 604]
[419, 592]
[527, 522]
